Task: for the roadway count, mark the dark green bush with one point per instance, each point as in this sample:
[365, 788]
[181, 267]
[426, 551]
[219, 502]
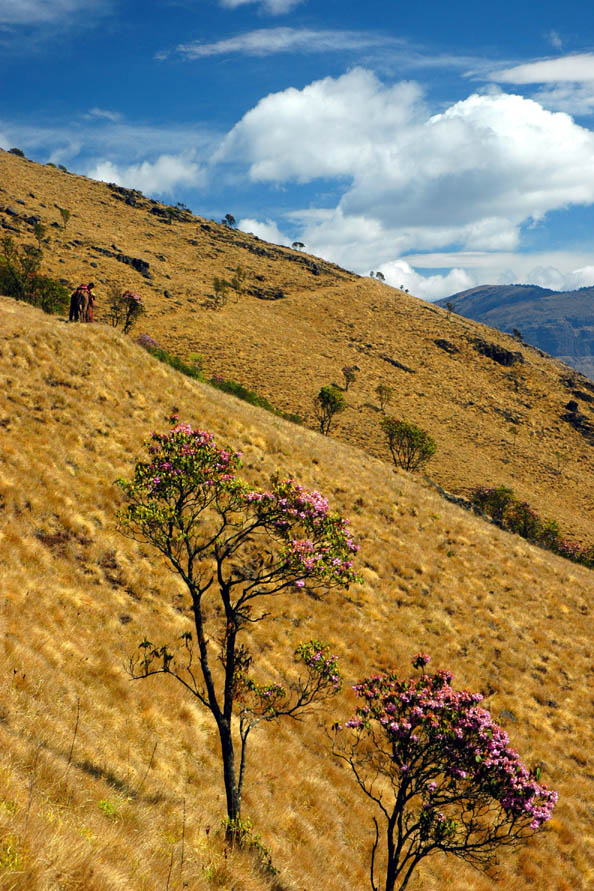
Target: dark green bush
[410, 447]
[226, 386]
[125, 310]
[327, 403]
[517, 516]
[20, 278]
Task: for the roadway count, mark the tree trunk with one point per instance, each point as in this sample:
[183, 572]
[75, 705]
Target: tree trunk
[232, 792]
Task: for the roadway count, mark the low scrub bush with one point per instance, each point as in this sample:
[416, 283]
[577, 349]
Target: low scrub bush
[517, 516]
[410, 447]
[20, 278]
[327, 403]
[125, 310]
[193, 369]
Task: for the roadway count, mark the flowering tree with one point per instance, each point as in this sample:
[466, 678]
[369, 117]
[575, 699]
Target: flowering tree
[440, 771]
[234, 547]
[125, 310]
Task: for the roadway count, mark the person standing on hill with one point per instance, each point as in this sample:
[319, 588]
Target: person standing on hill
[78, 304]
[91, 302]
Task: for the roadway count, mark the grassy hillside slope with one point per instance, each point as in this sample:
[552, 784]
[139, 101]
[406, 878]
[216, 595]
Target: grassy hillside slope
[493, 424]
[102, 808]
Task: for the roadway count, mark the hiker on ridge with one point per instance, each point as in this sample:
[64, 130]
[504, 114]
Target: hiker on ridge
[91, 302]
[78, 304]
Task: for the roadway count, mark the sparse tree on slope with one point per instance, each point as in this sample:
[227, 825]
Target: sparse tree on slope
[328, 403]
[440, 772]
[410, 446]
[235, 548]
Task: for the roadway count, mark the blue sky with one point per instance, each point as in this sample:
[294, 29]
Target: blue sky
[445, 145]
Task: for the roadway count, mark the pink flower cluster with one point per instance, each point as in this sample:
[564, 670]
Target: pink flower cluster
[457, 749]
[187, 467]
[190, 454]
[321, 662]
[317, 542]
[132, 297]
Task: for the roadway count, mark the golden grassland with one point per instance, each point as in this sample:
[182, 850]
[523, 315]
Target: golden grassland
[493, 425]
[97, 803]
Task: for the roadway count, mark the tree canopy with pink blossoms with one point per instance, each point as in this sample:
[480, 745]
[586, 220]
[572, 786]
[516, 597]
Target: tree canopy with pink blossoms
[440, 771]
[236, 545]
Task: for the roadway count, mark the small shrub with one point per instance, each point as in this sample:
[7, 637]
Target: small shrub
[410, 447]
[125, 310]
[16, 151]
[237, 280]
[328, 403]
[39, 232]
[147, 342]
[65, 214]
[350, 374]
[108, 808]
[196, 361]
[221, 292]
[11, 855]
[384, 395]
[241, 833]
[493, 501]
[20, 278]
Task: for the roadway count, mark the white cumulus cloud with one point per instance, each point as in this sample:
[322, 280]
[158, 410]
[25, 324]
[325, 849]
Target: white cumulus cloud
[400, 274]
[470, 177]
[576, 67]
[160, 177]
[332, 127]
[267, 230]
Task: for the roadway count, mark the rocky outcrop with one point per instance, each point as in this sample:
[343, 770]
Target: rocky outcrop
[560, 323]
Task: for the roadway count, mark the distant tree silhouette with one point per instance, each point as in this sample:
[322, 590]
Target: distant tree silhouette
[328, 403]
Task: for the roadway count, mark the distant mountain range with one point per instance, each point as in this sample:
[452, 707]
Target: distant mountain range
[559, 322]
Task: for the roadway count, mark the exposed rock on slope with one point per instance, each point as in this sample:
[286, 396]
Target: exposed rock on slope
[561, 323]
